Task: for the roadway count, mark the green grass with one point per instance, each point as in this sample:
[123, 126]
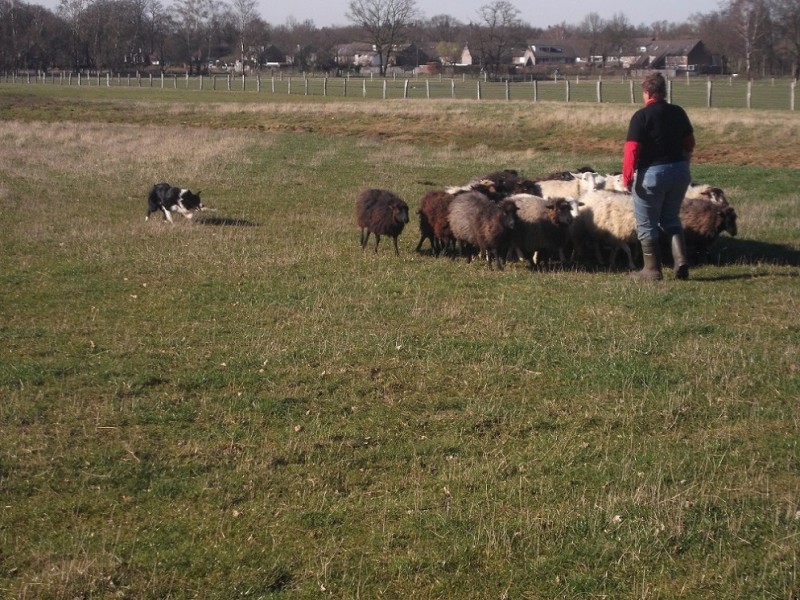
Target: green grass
[249, 406]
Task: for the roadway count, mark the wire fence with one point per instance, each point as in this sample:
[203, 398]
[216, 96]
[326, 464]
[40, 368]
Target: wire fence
[725, 92]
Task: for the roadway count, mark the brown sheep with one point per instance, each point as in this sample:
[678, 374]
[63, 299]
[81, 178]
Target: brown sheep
[703, 221]
[382, 213]
[476, 220]
[433, 221]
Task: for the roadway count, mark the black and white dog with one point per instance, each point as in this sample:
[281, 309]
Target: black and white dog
[167, 199]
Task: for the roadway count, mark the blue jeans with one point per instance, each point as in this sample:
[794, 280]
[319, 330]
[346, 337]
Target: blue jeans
[658, 193]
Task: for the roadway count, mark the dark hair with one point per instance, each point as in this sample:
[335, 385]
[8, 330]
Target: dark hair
[655, 85]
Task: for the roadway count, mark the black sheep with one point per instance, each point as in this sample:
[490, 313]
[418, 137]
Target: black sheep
[380, 212]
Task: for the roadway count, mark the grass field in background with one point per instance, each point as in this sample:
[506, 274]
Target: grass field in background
[690, 91]
[250, 406]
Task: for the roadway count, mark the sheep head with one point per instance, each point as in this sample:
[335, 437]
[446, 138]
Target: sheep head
[508, 210]
[560, 211]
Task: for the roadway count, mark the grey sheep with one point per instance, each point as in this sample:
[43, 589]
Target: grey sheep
[542, 225]
[380, 212]
[475, 220]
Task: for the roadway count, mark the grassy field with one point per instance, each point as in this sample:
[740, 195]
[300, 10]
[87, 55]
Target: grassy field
[249, 406]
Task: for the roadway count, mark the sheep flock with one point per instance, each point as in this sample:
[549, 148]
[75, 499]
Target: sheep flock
[566, 218]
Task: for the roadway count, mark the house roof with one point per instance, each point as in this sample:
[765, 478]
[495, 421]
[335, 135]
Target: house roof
[552, 48]
[667, 47]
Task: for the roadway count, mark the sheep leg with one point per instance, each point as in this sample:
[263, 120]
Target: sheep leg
[396, 249]
[364, 238]
[377, 241]
[498, 257]
[627, 250]
[597, 254]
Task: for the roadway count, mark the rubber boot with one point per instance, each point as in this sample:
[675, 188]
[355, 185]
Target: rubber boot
[652, 262]
[680, 262]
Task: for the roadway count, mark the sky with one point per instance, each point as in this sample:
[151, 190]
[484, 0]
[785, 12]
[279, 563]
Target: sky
[542, 14]
[537, 14]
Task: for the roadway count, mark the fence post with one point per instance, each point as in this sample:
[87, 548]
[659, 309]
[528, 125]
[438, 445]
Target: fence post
[599, 92]
[709, 86]
[405, 89]
[305, 85]
[535, 90]
[98, 78]
[244, 82]
[201, 83]
[289, 86]
[750, 93]
[364, 88]
[175, 81]
[428, 89]
[792, 89]
[479, 89]
[325, 86]
[258, 82]
[162, 80]
[566, 82]
[228, 82]
[344, 87]
[669, 91]
[273, 84]
[108, 79]
[79, 79]
[151, 79]
[452, 88]
[633, 98]
[384, 88]
[508, 90]
[187, 80]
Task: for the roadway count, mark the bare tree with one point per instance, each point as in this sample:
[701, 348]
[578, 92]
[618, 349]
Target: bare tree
[495, 34]
[617, 33]
[195, 18]
[386, 24]
[749, 19]
[244, 12]
[786, 15]
[591, 28]
[73, 12]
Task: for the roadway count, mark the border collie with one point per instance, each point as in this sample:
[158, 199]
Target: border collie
[167, 198]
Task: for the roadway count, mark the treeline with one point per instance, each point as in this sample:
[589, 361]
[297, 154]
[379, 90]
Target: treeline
[753, 37]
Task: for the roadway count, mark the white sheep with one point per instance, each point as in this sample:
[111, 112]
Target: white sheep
[704, 191]
[606, 219]
[613, 183]
[571, 189]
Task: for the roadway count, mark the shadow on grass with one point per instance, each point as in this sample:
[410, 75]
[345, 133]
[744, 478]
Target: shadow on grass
[730, 251]
[740, 276]
[225, 222]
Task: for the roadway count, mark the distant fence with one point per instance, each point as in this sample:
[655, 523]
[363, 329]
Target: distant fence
[721, 92]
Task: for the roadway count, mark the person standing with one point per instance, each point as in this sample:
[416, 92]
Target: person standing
[655, 168]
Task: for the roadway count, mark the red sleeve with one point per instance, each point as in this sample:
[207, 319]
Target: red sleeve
[688, 143]
[629, 159]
